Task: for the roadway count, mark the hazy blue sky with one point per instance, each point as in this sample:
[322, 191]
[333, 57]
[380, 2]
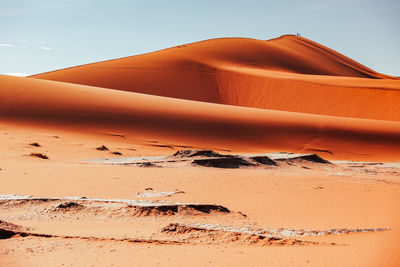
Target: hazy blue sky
[43, 35]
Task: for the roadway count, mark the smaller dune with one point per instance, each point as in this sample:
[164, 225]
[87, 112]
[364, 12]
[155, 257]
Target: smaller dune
[109, 207]
[210, 235]
[210, 158]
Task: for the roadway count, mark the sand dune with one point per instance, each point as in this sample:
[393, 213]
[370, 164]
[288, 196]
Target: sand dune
[126, 162]
[288, 73]
[94, 109]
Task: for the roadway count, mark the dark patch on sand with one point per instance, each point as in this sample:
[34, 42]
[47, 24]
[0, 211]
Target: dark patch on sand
[39, 155]
[264, 160]
[229, 163]
[184, 209]
[69, 206]
[102, 148]
[198, 153]
[35, 144]
[304, 158]
[8, 230]
[147, 165]
[166, 146]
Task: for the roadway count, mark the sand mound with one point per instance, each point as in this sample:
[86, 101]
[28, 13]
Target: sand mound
[210, 158]
[303, 158]
[68, 206]
[195, 123]
[198, 153]
[287, 73]
[184, 209]
[112, 208]
[200, 234]
[259, 234]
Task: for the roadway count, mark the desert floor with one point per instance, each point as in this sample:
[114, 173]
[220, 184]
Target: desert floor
[249, 216]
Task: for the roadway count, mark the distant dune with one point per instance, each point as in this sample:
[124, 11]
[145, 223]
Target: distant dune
[261, 96]
[288, 73]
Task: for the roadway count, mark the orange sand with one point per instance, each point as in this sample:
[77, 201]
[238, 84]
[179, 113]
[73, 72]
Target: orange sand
[242, 95]
[96, 109]
[287, 73]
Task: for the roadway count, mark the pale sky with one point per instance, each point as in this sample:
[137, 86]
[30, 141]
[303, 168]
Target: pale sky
[43, 35]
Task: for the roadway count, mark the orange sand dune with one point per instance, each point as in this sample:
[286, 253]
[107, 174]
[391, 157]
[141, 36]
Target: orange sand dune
[288, 94]
[99, 110]
[288, 73]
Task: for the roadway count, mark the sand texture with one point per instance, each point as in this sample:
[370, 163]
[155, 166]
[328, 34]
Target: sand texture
[225, 152]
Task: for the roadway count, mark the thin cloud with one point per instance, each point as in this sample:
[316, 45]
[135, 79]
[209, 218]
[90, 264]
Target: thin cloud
[6, 45]
[46, 48]
[19, 74]
[40, 42]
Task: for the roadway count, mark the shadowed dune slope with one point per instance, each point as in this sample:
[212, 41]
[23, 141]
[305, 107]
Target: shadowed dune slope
[288, 73]
[99, 110]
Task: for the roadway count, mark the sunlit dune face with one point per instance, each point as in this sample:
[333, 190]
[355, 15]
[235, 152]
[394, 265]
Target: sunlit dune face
[289, 73]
